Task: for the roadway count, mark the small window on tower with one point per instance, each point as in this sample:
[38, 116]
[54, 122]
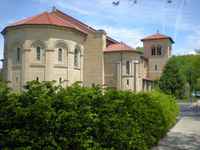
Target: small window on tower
[153, 51]
[159, 50]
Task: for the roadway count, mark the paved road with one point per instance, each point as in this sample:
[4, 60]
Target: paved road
[185, 135]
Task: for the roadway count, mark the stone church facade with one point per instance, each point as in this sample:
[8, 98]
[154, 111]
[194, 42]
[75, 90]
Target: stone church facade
[55, 46]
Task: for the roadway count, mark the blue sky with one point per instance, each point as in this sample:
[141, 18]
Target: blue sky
[127, 22]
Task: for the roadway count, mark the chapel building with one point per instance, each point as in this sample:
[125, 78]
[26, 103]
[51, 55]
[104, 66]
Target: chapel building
[55, 46]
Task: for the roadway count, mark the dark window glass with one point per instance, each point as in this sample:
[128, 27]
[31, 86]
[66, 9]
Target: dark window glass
[153, 51]
[38, 54]
[18, 55]
[60, 54]
[76, 57]
[159, 50]
[127, 67]
[156, 67]
[127, 82]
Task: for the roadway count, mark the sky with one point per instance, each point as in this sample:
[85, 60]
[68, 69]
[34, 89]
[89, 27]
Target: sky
[127, 22]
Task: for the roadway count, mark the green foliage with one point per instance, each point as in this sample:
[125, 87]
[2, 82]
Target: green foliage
[140, 49]
[79, 118]
[187, 67]
[172, 80]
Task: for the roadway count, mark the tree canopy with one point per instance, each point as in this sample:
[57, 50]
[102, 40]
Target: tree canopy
[179, 71]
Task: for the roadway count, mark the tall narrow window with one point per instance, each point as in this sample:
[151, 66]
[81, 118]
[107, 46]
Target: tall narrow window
[127, 67]
[60, 55]
[76, 57]
[38, 53]
[127, 82]
[156, 67]
[153, 51]
[159, 50]
[18, 55]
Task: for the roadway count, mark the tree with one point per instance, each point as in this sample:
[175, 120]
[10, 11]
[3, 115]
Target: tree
[197, 51]
[140, 49]
[1, 75]
[172, 80]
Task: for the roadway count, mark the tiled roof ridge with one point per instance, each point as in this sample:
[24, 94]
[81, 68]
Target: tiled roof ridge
[74, 19]
[27, 19]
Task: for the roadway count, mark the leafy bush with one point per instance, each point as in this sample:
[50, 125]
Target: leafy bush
[80, 118]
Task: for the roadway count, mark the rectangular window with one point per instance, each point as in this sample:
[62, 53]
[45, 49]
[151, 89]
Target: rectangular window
[127, 67]
[156, 67]
[38, 55]
[127, 82]
[60, 55]
[18, 55]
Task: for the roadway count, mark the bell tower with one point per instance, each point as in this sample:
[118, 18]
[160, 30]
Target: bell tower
[157, 49]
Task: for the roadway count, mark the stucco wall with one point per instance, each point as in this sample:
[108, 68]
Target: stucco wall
[115, 70]
[93, 69]
[50, 39]
[158, 61]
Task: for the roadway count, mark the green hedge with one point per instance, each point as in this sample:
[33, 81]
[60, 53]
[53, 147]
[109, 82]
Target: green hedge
[79, 118]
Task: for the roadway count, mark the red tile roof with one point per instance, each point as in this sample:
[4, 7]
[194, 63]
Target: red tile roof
[58, 18]
[119, 47]
[157, 36]
[46, 18]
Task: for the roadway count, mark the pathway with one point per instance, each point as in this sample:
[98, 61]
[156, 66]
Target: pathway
[185, 135]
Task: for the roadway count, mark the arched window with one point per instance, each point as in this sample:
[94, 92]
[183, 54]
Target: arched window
[18, 55]
[153, 51]
[127, 67]
[159, 50]
[38, 53]
[37, 78]
[60, 55]
[76, 57]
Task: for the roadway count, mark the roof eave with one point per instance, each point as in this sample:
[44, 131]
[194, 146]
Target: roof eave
[8, 27]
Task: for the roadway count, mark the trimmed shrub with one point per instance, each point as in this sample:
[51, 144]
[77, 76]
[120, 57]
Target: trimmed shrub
[80, 118]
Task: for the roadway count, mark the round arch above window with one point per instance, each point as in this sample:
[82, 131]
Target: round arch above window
[39, 50]
[61, 44]
[38, 43]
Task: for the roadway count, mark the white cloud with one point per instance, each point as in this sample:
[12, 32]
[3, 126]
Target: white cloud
[130, 36]
[193, 40]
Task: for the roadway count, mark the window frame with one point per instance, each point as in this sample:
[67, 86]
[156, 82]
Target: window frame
[60, 55]
[159, 50]
[128, 67]
[77, 57]
[38, 53]
[153, 51]
[18, 56]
